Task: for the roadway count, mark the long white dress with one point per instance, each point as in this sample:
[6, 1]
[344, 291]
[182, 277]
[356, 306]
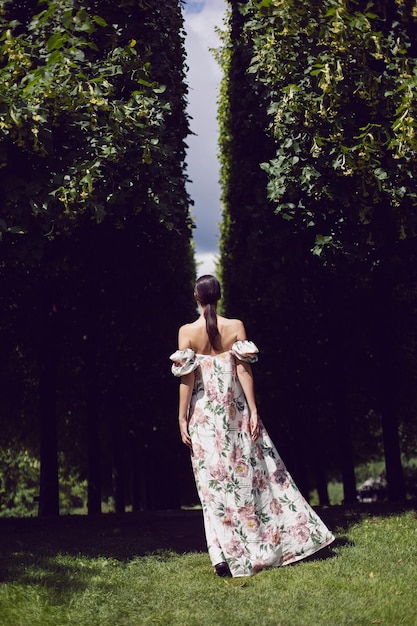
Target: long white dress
[254, 515]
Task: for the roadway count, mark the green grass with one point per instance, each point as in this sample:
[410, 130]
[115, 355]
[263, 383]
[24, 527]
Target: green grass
[81, 574]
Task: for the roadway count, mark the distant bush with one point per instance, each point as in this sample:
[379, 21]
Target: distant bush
[19, 482]
[19, 485]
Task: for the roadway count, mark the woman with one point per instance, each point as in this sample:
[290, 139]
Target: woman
[254, 515]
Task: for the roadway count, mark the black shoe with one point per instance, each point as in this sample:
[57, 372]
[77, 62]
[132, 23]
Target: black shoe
[222, 569]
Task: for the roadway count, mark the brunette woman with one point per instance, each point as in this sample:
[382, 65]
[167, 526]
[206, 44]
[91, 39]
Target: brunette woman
[254, 515]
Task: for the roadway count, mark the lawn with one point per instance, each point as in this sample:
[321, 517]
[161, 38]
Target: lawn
[153, 569]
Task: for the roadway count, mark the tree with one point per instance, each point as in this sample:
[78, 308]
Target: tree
[264, 269]
[92, 147]
[338, 81]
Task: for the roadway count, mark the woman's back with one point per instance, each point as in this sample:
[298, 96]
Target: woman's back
[195, 336]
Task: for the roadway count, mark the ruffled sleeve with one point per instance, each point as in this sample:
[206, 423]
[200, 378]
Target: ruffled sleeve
[184, 362]
[245, 351]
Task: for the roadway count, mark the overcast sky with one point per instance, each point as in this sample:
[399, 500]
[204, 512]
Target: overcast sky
[203, 78]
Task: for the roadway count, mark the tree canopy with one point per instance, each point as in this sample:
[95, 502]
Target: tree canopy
[96, 239]
[317, 114]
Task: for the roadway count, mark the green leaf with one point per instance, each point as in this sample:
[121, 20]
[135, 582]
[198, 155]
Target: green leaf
[56, 41]
[99, 20]
[146, 83]
[380, 174]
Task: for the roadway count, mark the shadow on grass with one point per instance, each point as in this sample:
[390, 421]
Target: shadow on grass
[60, 579]
[341, 517]
[29, 547]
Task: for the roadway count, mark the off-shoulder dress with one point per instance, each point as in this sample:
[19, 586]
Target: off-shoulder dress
[254, 515]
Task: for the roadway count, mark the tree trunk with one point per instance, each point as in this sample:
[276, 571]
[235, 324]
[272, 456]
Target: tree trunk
[90, 251]
[347, 464]
[385, 348]
[92, 422]
[118, 469]
[340, 361]
[93, 436]
[135, 474]
[316, 442]
[49, 484]
[392, 450]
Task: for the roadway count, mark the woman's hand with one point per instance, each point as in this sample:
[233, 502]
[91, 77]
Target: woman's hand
[185, 435]
[254, 425]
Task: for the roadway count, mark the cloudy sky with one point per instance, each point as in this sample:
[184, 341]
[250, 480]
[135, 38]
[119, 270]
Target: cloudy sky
[203, 78]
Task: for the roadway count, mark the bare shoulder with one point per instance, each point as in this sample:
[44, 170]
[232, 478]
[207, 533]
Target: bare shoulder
[186, 335]
[233, 328]
[240, 330]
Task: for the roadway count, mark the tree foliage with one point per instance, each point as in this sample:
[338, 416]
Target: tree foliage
[342, 80]
[94, 118]
[96, 235]
[324, 97]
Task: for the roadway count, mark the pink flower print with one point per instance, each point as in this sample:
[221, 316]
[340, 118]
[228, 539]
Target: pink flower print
[211, 391]
[262, 484]
[271, 535]
[232, 411]
[206, 495]
[199, 415]
[219, 471]
[245, 423]
[235, 454]
[288, 557]
[283, 483]
[219, 441]
[259, 565]
[235, 548]
[247, 511]
[242, 468]
[229, 517]
[259, 452]
[198, 451]
[301, 518]
[266, 535]
[252, 524]
[280, 466]
[208, 364]
[259, 481]
[276, 537]
[228, 398]
[300, 532]
[280, 476]
[275, 506]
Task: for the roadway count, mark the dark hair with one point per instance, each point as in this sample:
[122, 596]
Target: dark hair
[207, 291]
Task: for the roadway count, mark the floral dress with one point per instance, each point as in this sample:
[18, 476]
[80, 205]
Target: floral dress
[254, 515]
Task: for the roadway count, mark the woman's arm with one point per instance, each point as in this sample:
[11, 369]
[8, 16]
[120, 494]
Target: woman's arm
[186, 390]
[244, 373]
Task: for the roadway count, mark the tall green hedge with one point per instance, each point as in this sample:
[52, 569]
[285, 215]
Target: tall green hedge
[96, 256]
[317, 117]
